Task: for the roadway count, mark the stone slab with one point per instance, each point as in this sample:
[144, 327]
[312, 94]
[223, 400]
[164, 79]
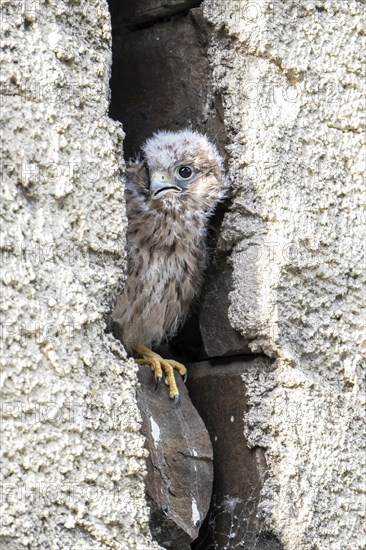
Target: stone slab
[179, 465]
[217, 390]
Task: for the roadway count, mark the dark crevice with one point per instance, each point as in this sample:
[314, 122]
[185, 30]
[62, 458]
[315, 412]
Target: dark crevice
[228, 359]
[156, 21]
[165, 88]
[161, 79]
[133, 18]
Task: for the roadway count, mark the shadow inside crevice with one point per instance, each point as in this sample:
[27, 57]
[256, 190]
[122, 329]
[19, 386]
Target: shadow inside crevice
[160, 74]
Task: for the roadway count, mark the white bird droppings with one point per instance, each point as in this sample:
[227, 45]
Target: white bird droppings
[155, 432]
[195, 512]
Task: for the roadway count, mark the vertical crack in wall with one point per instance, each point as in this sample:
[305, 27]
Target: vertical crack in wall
[161, 79]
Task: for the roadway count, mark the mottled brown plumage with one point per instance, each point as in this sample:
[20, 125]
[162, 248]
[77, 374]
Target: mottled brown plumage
[168, 214]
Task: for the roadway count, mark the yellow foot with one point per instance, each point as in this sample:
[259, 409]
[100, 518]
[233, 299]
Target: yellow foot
[160, 365]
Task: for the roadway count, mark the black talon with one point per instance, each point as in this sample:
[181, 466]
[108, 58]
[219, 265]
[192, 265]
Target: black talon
[157, 380]
[185, 377]
[176, 401]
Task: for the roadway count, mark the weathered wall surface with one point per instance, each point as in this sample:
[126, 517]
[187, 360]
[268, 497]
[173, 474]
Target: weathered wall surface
[290, 77]
[73, 458]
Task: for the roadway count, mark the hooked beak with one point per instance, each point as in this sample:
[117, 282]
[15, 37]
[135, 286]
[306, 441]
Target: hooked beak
[161, 184]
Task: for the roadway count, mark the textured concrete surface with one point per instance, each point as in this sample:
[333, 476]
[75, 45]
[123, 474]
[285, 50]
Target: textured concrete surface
[291, 79]
[73, 460]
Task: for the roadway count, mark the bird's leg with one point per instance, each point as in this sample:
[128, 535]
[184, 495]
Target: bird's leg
[158, 365]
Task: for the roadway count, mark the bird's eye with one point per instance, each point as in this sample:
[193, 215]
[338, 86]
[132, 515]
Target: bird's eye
[185, 172]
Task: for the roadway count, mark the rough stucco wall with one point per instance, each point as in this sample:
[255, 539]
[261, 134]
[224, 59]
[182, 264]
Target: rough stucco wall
[73, 457]
[291, 79]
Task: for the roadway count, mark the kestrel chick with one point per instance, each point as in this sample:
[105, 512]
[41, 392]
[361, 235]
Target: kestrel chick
[170, 195]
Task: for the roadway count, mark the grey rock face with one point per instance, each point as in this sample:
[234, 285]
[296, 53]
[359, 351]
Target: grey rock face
[179, 465]
[219, 339]
[217, 390]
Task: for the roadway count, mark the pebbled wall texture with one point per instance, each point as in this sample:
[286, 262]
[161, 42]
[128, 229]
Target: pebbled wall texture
[290, 74]
[290, 77]
[73, 460]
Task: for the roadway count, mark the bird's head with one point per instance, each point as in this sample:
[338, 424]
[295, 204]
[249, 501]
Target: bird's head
[184, 170]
